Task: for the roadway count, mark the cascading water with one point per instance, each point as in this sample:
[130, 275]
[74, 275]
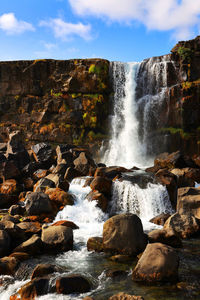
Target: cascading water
[124, 148]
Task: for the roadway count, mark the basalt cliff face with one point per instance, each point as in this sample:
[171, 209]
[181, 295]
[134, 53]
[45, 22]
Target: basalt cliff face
[62, 101]
[69, 101]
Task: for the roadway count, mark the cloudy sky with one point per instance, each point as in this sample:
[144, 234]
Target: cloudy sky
[125, 30]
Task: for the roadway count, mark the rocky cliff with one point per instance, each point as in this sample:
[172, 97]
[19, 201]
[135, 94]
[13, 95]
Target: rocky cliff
[62, 101]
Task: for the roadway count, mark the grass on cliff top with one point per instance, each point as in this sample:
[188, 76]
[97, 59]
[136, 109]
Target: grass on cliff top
[173, 130]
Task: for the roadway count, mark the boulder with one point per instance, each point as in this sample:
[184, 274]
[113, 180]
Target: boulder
[43, 154]
[42, 270]
[7, 200]
[95, 244]
[72, 284]
[160, 219]
[30, 228]
[184, 226]
[32, 289]
[15, 233]
[64, 154]
[16, 210]
[16, 151]
[115, 273]
[39, 174]
[43, 184]
[32, 246]
[28, 183]
[189, 201]
[60, 197]
[102, 201]
[70, 224]
[20, 256]
[5, 243]
[71, 173]
[101, 184]
[57, 238]
[8, 265]
[123, 234]
[168, 179]
[38, 203]
[10, 170]
[123, 296]
[170, 161]
[182, 179]
[10, 187]
[158, 263]
[83, 163]
[166, 237]
[109, 172]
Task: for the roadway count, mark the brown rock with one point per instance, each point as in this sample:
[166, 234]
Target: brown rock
[70, 224]
[57, 238]
[121, 258]
[115, 273]
[10, 170]
[166, 237]
[30, 228]
[170, 161]
[123, 234]
[71, 173]
[7, 200]
[5, 243]
[189, 201]
[43, 184]
[182, 179]
[109, 172]
[184, 226]
[32, 246]
[72, 284]
[34, 288]
[83, 163]
[158, 263]
[8, 265]
[102, 201]
[160, 219]
[39, 174]
[9, 187]
[60, 197]
[101, 184]
[38, 203]
[123, 296]
[95, 244]
[20, 256]
[42, 270]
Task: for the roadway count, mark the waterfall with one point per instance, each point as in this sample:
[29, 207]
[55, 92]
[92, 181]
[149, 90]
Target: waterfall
[124, 148]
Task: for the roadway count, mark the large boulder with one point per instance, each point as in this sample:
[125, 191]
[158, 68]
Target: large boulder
[158, 263]
[109, 172]
[124, 234]
[95, 244]
[71, 173]
[101, 184]
[31, 246]
[183, 180]
[43, 184]
[10, 187]
[38, 203]
[189, 201]
[42, 270]
[160, 219]
[43, 154]
[184, 226]
[57, 238]
[72, 284]
[10, 170]
[8, 265]
[83, 163]
[64, 155]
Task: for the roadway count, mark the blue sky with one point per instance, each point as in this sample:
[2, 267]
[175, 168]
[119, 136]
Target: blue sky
[125, 30]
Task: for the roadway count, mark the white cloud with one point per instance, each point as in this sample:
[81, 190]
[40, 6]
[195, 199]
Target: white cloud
[181, 16]
[10, 24]
[64, 30]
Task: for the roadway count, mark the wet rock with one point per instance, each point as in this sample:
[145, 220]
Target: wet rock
[115, 273]
[182, 179]
[158, 263]
[121, 258]
[101, 184]
[43, 184]
[123, 234]
[63, 184]
[30, 168]
[123, 296]
[32, 246]
[43, 154]
[39, 174]
[53, 177]
[70, 224]
[32, 289]
[30, 228]
[168, 179]
[95, 244]
[109, 172]
[14, 232]
[57, 238]
[189, 201]
[71, 173]
[28, 183]
[5, 243]
[10, 170]
[166, 237]
[8, 265]
[60, 197]
[160, 219]
[16, 210]
[184, 226]
[38, 203]
[102, 201]
[83, 163]
[170, 161]
[20, 256]
[42, 270]
[63, 154]
[88, 181]
[72, 284]
[10, 187]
